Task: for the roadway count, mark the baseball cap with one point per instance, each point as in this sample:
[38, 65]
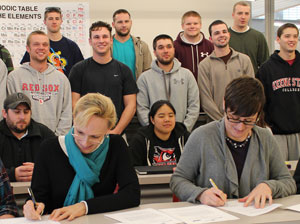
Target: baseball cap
[13, 100]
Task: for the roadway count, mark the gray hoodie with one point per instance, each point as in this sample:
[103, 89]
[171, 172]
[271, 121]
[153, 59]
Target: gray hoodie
[179, 83]
[50, 95]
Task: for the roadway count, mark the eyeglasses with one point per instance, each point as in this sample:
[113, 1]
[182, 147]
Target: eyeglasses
[245, 122]
[92, 139]
[52, 9]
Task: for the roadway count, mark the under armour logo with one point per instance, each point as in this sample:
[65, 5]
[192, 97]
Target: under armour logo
[116, 75]
[204, 54]
[180, 81]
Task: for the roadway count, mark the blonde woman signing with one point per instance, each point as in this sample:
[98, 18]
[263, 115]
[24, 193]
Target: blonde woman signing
[77, 174]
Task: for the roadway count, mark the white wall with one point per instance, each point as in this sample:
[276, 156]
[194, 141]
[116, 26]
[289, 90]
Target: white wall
[151, 18]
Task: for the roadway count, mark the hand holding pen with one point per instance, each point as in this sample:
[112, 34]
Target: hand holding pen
[213, 196]
[32, 209]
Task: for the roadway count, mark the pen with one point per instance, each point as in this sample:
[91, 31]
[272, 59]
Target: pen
[213, 184]
[32, 198]
[289, 166]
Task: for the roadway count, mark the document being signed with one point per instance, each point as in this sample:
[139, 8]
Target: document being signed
[198, 214]
[238, 207]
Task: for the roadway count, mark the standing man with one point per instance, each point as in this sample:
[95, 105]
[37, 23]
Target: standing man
[245, 39]
[20, 137]
[48, 89]
[128, 49]
[167, 80]
[191, 47]
[64, 53]
[219, 69]
[280, 76]
[103, 74]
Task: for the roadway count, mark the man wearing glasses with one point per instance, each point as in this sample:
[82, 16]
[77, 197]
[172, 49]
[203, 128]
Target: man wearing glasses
[241, 158]
[64, 53]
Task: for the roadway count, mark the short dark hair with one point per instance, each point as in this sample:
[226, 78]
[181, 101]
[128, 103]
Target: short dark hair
[244, 96]
[36, 32]
[51, 9]
[190, 14]
[159, 37]
[99, 24]
[120, 11]
[285, 26]
[155, 107]
[214, 23]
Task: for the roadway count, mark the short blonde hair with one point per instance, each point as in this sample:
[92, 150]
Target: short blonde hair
[190, 14]
[94, 104]
[242, 3]
[36, 32]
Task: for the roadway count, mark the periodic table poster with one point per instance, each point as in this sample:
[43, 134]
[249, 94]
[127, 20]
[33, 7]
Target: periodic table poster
[18, 20]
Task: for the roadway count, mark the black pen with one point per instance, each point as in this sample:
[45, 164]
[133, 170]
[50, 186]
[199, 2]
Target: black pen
[32, 198]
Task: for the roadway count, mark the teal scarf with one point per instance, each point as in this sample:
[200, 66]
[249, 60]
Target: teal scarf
[87, 168]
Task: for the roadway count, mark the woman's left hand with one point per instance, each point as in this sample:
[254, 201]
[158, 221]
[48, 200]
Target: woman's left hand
[259, 194]
[70, 212]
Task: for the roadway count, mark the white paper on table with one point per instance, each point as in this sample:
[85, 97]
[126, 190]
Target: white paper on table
[238, 207]
[199, 214]
[145, 216]
[294, 208]
[26, 221]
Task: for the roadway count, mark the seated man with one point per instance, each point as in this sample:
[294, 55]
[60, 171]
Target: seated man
[20, 137]
[8, 207]
[242, 158]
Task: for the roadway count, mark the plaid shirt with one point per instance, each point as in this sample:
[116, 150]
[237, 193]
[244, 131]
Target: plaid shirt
[7, 200]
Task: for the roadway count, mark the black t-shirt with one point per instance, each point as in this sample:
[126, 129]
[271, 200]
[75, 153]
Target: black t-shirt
[239, 154]
[63, 55]
[113, 79]
[164, 152]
